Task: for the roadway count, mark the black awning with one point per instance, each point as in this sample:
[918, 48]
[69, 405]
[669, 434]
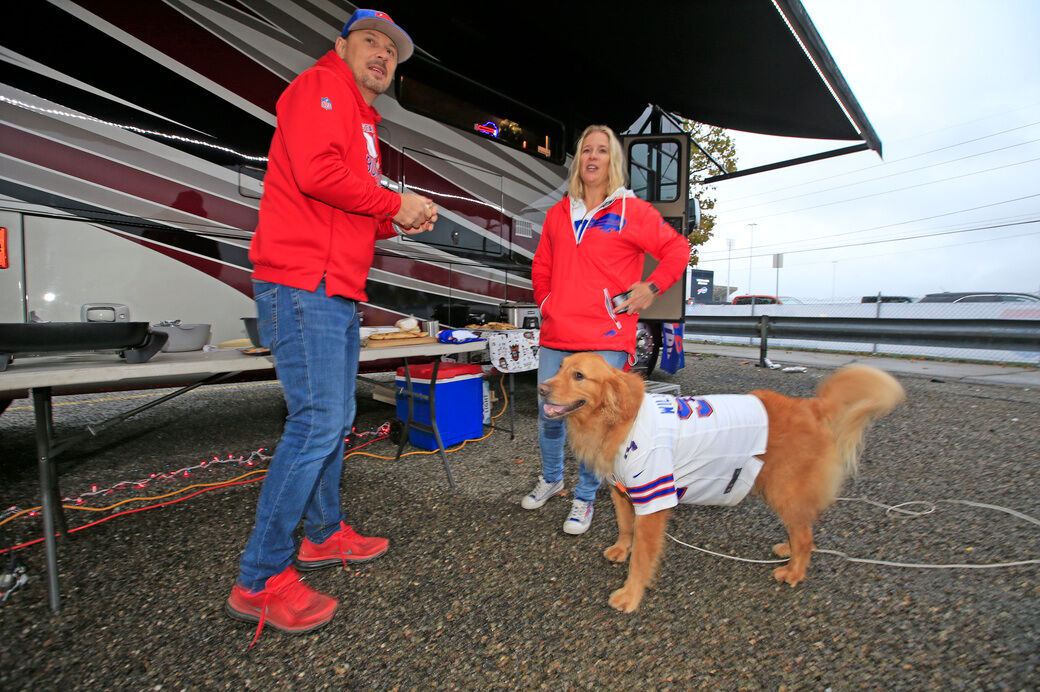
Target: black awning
[738, 64]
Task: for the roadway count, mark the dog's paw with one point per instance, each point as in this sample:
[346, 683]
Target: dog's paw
[782, 549]
[789, 575]
[617, 552]
[624, 600]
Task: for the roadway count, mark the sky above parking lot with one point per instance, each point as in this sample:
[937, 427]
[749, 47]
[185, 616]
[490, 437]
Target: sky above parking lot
[953, 90]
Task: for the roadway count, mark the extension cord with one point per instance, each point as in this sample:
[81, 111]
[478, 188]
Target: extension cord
[898, 509]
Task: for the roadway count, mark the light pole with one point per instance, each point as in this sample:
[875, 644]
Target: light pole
[751, 245]
[778, 264]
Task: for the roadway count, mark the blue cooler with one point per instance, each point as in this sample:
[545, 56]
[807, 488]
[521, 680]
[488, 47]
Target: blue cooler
[459, 402]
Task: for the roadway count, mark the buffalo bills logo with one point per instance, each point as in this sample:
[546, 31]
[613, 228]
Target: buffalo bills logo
[607, 223]
[632, 446]
[688, 406]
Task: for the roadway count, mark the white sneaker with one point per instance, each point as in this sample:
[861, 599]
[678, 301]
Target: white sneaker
[541, 493]
[580, 518]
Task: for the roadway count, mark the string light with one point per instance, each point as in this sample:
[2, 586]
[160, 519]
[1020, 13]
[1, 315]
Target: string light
[355, 440]
[130, 128]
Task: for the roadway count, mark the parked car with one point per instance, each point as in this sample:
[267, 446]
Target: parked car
[886, 299]
[980, 297]
[756, 300]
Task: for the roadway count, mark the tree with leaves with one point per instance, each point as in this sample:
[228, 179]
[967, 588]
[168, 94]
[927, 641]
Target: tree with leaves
[714, 142]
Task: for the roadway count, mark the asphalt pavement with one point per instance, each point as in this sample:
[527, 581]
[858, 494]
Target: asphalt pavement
[477, 593]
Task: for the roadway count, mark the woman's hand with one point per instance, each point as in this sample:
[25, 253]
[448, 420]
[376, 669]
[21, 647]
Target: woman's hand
[640, 296]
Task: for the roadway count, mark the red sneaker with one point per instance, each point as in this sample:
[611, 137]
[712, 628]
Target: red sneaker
[346, 545]
[286, 604]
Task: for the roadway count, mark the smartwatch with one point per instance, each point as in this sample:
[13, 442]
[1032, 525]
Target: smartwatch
[653, 287]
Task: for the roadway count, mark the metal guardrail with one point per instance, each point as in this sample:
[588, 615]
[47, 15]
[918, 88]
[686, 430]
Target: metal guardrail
[1005, 335]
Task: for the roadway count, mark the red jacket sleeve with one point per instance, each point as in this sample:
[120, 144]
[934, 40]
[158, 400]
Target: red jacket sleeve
[541, 266]
[318, 142]
[385, 230]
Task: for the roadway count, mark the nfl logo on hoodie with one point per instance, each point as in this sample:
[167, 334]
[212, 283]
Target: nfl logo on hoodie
[326, 103]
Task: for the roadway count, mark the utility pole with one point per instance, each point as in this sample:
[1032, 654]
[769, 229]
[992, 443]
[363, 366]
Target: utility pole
[729, 251]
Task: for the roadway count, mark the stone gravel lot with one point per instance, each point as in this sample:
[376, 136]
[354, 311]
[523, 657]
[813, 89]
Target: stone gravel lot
[477, 593]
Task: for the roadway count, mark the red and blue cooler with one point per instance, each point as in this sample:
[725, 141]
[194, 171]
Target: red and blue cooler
[459, 402]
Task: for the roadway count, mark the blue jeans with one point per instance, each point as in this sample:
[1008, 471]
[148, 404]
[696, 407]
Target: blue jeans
[552, 435]
[315, 342]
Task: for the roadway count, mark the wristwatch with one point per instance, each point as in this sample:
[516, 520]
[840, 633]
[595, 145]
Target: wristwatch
[653, 287]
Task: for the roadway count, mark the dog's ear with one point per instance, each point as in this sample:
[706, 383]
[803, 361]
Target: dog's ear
[622, 396]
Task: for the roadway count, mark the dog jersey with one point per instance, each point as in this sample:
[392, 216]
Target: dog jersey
[694, 450]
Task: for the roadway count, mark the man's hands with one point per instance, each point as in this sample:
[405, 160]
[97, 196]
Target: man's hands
[417, 213]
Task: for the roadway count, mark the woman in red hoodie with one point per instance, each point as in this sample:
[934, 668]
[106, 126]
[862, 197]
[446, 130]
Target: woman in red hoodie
[592, 248]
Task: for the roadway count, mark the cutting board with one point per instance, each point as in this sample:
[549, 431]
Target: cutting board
[412, 341]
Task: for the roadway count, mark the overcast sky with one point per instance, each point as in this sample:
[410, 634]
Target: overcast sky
[952, 88]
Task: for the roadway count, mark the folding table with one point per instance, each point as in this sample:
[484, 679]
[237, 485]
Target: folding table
[42, 376]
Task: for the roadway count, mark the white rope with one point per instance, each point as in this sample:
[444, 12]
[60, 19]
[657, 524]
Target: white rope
[900, 508]
[728, 557]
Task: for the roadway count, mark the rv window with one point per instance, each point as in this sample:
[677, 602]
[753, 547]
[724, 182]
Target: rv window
[439, 93]
[653, 170]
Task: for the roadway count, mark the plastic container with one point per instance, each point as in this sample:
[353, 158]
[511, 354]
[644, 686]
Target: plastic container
[183, 337]
[459, 402]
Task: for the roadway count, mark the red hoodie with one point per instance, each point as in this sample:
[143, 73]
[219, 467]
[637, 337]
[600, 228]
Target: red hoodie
[322, 208]
[578, 266]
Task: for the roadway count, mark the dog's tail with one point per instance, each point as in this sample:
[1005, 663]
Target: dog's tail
[857, 395]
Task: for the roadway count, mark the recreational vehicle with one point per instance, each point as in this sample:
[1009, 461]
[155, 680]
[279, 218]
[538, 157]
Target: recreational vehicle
[133, 140]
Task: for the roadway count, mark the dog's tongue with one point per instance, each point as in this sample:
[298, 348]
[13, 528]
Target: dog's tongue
[553, 409]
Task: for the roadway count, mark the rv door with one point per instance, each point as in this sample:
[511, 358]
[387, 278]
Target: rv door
[659, 172]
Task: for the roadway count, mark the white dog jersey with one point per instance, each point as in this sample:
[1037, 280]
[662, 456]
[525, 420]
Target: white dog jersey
[694, 450]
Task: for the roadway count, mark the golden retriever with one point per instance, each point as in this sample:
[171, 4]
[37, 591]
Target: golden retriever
[802, 450]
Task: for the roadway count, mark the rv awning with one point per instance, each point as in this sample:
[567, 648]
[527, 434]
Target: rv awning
[753, 65]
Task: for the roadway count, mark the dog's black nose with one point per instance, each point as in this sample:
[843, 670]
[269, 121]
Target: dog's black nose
[543, 389]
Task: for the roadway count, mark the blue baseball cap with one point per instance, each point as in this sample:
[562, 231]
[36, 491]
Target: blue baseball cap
[381, 22]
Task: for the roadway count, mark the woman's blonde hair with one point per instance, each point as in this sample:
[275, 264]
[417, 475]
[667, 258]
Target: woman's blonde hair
[615, 172]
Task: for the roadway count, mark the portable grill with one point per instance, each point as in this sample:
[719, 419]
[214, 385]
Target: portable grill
[132, 340]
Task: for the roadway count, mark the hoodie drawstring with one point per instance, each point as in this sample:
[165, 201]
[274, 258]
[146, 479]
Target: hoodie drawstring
[610, 308]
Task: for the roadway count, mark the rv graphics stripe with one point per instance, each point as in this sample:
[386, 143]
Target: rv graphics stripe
[126, 179]
[187, 109]
[164, 28]
[223, 261]
[452, 278]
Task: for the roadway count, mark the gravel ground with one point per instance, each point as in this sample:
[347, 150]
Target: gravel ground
[477, 593]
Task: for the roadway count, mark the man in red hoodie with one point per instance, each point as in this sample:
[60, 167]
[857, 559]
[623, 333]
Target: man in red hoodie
[322, 210]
